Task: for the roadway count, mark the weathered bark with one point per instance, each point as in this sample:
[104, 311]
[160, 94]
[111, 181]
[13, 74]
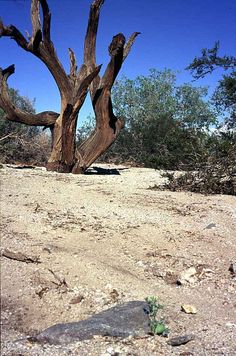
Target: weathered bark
[108, 126]
[73, 90]
[46, 118]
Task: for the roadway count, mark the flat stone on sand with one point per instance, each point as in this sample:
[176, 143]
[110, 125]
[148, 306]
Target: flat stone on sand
[131, 318]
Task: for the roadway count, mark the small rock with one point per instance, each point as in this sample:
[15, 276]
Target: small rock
[170, 277]
[230, 325]
[157, 272]
[180, 340]
[189, 309]
[110, 350]
[76, 300]
[114, 295]
[113, 352]
[210, 226]
[232, 268]
[231, 289]
[187, 276]
[140, 264]
[47, 249]
[152, 254]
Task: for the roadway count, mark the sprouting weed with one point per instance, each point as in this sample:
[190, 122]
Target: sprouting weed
[158, 327]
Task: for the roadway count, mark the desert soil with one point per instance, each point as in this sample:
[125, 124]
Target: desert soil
[104, 239]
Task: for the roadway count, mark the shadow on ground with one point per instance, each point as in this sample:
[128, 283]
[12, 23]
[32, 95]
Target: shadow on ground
[104, 171]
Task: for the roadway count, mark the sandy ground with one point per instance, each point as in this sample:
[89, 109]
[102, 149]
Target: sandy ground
[103, 239]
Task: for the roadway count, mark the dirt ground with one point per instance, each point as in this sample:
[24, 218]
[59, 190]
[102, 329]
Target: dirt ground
[105, 238]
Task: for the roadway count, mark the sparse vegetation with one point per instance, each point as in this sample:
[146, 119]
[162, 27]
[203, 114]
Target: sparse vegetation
[225, 93]
[158, 327]
[211, 179]
[217, 175]
[20, 143]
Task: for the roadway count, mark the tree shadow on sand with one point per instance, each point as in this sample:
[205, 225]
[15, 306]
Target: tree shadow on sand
[104, 171]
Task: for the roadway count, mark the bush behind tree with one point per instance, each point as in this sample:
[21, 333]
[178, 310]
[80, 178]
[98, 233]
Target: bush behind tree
[20, 143]
[170, 127]
[166, 124]
[215, 175]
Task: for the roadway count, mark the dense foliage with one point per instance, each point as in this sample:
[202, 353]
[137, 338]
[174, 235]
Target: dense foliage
[166, 124]
[19, 142]
[175, 127]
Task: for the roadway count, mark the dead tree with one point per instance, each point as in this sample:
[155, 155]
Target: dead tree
[73, 88]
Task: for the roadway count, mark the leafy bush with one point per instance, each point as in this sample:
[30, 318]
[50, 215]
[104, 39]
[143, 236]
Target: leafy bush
[166, 125]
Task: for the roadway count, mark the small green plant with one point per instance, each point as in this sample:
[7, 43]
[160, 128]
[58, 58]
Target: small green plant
[154, 306]
[158, 327]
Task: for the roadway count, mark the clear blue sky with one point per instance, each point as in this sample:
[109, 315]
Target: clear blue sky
[172, 33]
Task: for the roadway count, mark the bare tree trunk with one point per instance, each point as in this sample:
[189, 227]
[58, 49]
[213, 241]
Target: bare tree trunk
[98, 142]
[108, 126]
[73, 88]
[62, 158]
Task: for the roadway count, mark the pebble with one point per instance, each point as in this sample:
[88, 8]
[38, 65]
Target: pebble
[189, 309]
[180, 340]
[210, 226]
[230, 325]
[232, 268]
[187, 276]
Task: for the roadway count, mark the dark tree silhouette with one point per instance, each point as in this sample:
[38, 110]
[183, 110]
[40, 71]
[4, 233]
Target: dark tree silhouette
[209, 61]
[225, 93]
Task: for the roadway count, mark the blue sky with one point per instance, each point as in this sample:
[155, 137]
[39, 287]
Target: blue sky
[172, 33]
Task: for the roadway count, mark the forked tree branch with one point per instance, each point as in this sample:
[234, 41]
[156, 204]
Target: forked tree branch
[46, 21]
[129, 44]
[46, 118]
[90, 42]
[36, 26]
[108, 125]
[73, 65]
[90, 48]
[83, 88]
[91, 34]
[14, 33]
[41, 46]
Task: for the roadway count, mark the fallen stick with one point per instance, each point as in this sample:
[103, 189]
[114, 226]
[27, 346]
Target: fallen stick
[61, 280]
[19, 256]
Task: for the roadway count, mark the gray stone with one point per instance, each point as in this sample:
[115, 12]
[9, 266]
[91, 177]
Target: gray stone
[180, 340]
[127, 319]
[232, 268]
[210, 226]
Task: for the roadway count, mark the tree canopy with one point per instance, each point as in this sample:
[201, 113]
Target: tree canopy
[166, 123]
[225, 93]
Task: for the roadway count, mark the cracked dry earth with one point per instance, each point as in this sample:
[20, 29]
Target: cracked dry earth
[104, 239]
